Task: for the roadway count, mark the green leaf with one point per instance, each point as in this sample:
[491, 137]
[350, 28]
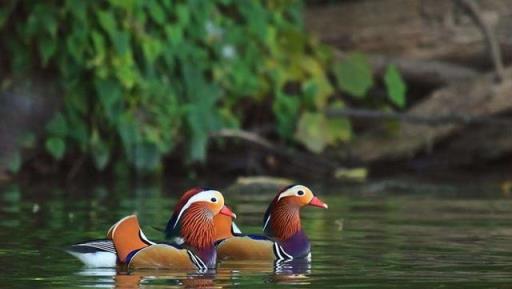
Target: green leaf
[316, 131]
[285, 109]
[99, 46]
[125, 4]
[121, 42]
[100, 151]
[395, 86]
[183, 13]
[125, 70]
[56, 147]
[354, 74]
[338, 129]
[316, 92]
[57, 126]
[199, 134]
[152, 49]
[174, 34]
[107, 22]
[47, 49]
[4, 14]
[310, 131]
[127, 129]
[156, 12]
[15, 162]
[110, 95]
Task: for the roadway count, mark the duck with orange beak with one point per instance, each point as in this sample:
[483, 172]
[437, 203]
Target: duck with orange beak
[195, 220]
[101, 253]
[284, 237]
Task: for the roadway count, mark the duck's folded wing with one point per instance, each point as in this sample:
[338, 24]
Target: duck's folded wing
[164, 256]
[246, 248]
[94, 253]
[127, 237]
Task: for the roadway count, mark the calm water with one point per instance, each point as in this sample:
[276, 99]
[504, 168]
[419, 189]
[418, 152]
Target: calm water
[437, 237]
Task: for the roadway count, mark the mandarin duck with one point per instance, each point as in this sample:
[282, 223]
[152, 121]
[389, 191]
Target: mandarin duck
[283, 237]
[194, 215]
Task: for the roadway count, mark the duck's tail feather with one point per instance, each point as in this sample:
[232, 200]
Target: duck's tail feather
[94, 253]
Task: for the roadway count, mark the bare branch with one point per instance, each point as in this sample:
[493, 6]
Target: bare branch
[245, 135]
[475, 13]
[419, 119]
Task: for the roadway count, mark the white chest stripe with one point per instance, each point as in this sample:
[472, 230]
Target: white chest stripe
[280, 253]
[201, 266]
[266, 222]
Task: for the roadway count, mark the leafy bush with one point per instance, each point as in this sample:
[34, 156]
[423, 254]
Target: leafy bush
[141, 76]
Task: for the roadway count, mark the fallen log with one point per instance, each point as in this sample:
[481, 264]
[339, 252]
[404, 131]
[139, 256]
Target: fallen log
[473, 144]
[480, 97]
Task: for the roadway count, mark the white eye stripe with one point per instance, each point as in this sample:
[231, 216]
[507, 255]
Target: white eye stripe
[204, 196]
[293, 191]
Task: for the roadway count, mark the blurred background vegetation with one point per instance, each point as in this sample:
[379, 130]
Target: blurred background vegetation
[124, 85]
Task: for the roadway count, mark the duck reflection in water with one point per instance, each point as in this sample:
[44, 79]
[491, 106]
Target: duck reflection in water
[150, 279]
[292, 272]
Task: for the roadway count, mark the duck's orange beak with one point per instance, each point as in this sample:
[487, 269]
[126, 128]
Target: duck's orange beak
[316, 202]
[226, 211]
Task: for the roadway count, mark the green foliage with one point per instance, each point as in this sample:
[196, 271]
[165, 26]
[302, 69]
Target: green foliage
[142, 76]
[56, 147]
[354, 74]
[395, 86]
[15, 162]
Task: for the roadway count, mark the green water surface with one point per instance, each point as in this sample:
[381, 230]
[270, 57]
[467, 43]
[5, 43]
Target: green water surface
[366, 239]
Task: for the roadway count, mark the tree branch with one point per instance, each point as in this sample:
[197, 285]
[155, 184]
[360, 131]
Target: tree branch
[474, 11]
[306, 161]
[452, 118]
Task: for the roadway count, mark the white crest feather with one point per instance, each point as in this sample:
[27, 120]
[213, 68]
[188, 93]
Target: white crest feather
[204, 196]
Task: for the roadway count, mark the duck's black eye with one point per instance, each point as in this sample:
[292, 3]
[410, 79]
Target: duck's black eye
[300, 193]
[213, 200]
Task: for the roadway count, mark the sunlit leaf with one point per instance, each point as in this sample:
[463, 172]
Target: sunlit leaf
[354, 74]
[152, 49]
[310, 131]
[107, 21]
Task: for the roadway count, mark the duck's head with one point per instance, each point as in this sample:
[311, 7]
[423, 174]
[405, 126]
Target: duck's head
[193, 218]
[298, 196]
[282, 218]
